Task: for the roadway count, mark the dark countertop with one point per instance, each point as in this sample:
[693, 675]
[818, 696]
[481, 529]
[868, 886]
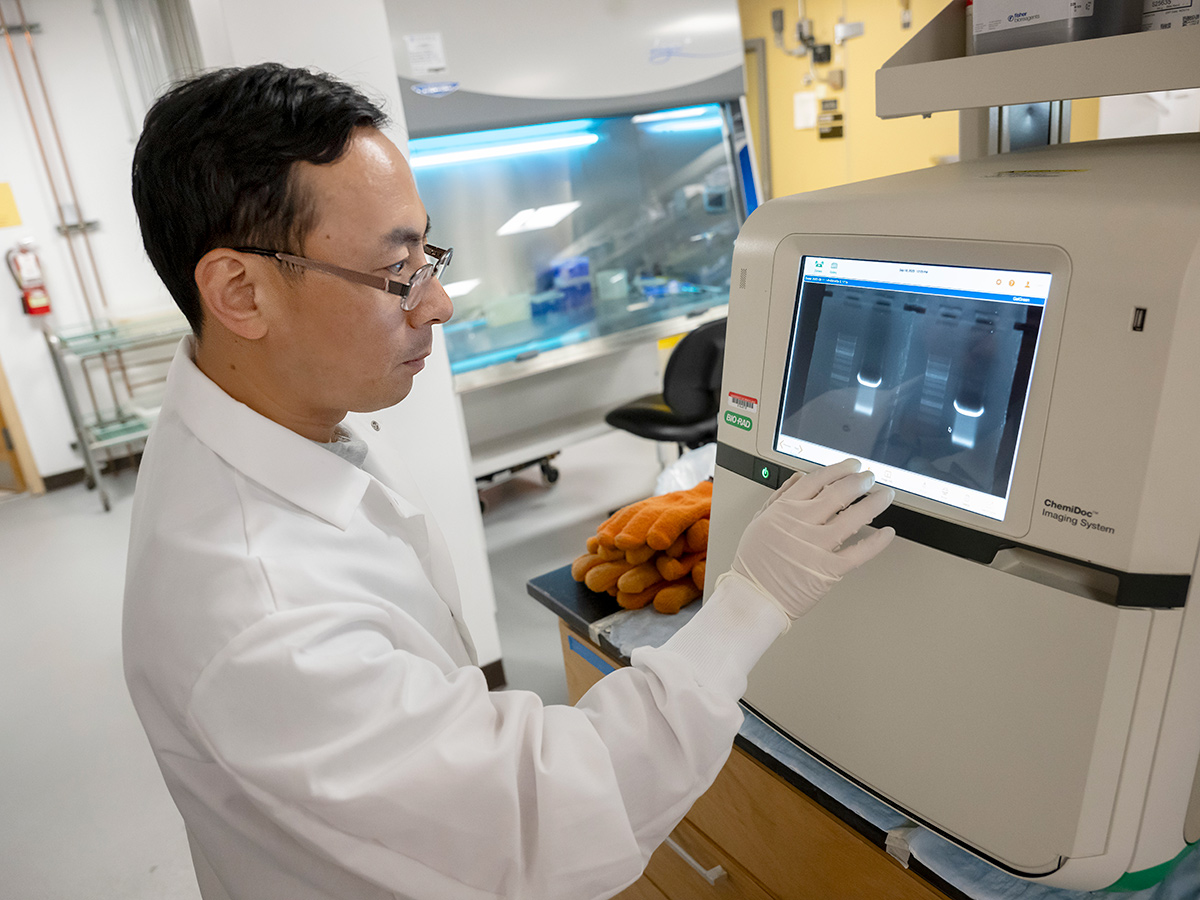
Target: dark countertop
[573, 602]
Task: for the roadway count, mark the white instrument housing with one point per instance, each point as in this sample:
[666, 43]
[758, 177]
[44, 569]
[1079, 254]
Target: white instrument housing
[1013, 343]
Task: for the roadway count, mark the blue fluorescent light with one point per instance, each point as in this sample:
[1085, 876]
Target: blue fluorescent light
[496, 151]
[495, 136]
[669, 114]
[669, 126]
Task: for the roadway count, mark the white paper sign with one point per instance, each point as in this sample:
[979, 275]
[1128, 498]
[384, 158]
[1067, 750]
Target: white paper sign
[804, 109]
[425, 53]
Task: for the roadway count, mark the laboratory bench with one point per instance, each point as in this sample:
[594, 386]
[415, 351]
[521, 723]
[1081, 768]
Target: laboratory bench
[777, 822]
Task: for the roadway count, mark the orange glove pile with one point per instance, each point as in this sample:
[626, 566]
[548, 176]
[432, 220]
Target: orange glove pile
[651, 551]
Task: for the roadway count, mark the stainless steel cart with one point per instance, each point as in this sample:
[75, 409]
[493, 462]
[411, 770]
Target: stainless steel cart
[119, 364]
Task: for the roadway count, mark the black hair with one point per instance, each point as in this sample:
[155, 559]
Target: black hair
[214, 164]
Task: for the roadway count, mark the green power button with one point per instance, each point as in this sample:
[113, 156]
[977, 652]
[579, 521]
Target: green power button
[764, 472]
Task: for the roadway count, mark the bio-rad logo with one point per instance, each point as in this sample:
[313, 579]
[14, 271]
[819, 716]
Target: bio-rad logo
[1075, 516]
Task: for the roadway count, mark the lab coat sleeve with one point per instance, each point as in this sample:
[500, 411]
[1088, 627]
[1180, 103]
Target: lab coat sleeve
[421, 780]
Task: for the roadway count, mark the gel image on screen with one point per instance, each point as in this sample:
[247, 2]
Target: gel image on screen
[920, 371]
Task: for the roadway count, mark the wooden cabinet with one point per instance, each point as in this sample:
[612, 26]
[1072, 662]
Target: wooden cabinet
[752, 835]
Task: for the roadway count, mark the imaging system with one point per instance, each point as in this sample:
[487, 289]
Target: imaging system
[1013, 344]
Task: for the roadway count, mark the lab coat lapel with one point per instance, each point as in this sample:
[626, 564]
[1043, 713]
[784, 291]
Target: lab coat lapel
[416, 529]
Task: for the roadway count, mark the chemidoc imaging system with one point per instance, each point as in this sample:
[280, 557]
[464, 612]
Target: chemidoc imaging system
[1013, 344]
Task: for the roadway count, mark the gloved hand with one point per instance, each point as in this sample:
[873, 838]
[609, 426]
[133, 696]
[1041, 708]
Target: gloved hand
[792, 549]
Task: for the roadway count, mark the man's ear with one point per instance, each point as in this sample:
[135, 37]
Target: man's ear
[231, 293]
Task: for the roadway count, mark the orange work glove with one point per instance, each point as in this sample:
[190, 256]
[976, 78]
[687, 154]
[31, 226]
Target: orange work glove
[675, 597]
[657, 521]
[674, 569]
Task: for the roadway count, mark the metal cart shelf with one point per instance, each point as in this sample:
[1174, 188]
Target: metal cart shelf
[115, 417]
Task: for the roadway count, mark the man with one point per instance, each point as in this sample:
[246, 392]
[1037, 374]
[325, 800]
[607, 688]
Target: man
[293, 640]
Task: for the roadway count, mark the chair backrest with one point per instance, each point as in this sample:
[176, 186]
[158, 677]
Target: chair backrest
[692, 381]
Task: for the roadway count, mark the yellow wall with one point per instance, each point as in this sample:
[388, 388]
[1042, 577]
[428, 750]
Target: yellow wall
[1085, 120]
[872, 147]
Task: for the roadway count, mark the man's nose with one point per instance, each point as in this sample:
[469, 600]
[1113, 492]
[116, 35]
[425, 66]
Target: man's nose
[435, 306]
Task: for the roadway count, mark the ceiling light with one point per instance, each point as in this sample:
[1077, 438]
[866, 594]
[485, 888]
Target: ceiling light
[669, 126]
[456, 289]
[668, 114]
[536, 219]
[497, 151]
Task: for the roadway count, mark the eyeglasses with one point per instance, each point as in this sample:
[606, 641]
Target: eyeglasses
[409, 292]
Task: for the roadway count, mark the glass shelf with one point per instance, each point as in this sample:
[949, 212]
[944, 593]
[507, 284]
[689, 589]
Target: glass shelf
[112, 432]
[85, 341]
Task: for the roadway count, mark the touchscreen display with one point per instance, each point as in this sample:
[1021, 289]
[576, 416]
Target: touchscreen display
[920, 371]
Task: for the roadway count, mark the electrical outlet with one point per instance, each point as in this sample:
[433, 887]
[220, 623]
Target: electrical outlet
[843, 31]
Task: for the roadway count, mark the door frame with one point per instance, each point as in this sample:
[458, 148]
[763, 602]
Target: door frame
[21, 455]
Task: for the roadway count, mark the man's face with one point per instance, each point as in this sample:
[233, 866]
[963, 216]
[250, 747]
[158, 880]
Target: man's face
[341, 346]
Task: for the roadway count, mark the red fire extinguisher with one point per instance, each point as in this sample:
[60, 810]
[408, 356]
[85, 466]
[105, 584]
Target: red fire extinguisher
[26, 268]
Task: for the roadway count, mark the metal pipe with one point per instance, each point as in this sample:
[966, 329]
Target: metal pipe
[87, 380]
[46, 164]
[83, 286]
[114, 60]
[87, 243]
[79, 214]
[58, 356]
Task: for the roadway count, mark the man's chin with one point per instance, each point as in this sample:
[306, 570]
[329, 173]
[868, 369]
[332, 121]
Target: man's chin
[382, 400]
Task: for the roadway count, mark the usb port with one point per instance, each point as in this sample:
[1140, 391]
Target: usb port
[1139, 318]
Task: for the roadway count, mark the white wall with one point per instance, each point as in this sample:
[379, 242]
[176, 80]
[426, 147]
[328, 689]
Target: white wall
[350, 39]
[84, 90]
[1162, 112]
[86, 71]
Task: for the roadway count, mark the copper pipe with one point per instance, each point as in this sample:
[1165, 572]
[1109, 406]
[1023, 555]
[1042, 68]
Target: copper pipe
[57, 200]
[37, 68]
[112, 388]
[46, 163]
[119, 354]
[66, 169]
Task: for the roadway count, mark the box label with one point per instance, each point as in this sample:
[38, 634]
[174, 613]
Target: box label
[1159, 14]
[742, 402]
[991, 16]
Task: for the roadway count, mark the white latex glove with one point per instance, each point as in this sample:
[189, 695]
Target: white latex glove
[792, 549]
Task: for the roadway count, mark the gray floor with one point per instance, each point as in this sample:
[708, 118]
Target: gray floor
[83, 812]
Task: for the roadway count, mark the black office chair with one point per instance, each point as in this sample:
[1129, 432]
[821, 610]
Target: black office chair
[686, 410]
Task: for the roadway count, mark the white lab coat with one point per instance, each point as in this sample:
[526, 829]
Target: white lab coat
[294, 648]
